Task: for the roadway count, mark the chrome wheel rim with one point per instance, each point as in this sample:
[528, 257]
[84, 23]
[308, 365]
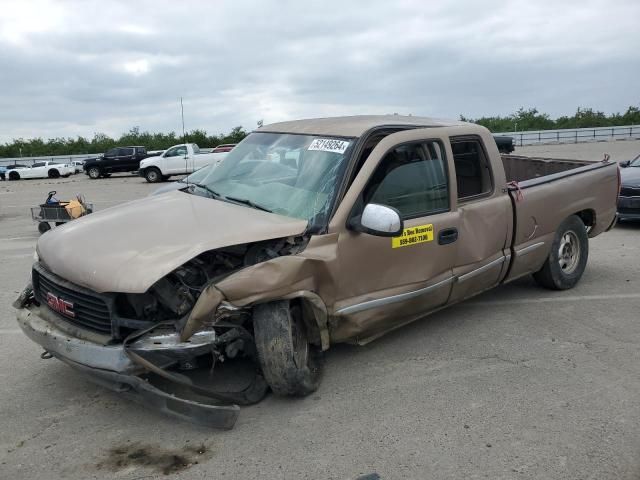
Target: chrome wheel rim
[569, 252]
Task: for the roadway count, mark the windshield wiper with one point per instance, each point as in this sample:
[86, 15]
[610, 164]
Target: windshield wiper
[249, 203]
[213, 193]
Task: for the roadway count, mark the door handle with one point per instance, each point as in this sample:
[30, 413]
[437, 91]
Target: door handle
[447, 236]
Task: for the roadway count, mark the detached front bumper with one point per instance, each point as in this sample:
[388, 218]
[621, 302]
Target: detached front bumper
[111, 367]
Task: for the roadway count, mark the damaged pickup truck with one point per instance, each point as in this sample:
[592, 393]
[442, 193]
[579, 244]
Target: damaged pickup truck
[307, 234]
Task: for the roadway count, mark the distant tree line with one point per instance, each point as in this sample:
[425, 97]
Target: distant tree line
[522, 120]
[532, 119]
[100, 143]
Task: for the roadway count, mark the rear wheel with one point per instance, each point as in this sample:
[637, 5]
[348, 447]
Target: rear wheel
[568, 257]
[14, 176]
[153, 175]
[94, 172]
[53, 173]
[290, 364]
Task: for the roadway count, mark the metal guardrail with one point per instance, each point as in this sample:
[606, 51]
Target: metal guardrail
[49, 158]
[576, 135]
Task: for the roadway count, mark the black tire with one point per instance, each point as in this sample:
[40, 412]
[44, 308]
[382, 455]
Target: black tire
[14, 176]
[43, 227]
[153, 175]
[53, 173]
[94, 173]
[568, 257]
[290, 364]
[59, 223]
[166, 177]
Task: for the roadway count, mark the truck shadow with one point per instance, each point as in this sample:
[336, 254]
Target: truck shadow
[628, 225]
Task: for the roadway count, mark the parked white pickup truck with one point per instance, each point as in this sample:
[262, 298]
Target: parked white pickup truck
[42, 170]
[177, 160]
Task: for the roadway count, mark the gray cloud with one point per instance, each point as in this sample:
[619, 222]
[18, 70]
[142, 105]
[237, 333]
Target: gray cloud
[74, 68]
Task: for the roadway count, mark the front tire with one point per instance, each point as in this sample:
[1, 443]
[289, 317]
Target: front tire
[14, 176]
[153, 175]
[43, 227]
[94, 173]
[290, 364]
[568, 257]
[54, 173]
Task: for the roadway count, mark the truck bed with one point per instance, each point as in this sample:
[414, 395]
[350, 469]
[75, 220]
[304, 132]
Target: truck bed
[547, 191]
[519, 168]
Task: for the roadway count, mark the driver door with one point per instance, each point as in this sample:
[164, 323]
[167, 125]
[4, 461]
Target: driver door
[385, 282]
[175, 160]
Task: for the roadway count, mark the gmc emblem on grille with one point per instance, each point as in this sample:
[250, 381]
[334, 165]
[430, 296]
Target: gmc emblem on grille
[59, 305]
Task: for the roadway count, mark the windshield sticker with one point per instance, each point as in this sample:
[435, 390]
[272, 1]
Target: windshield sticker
[413, 235]
[328, 145]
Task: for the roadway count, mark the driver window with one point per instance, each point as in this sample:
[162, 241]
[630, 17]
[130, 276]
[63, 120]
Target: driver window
[176, 152]
[411, 178]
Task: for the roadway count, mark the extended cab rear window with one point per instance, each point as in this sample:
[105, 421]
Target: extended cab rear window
[473, 172]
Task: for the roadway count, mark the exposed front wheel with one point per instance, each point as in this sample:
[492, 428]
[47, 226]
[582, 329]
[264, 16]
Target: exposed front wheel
[568, 257]
[14, 176]
[43, 227]
[290, 363]
[94, 173]
[152, 175]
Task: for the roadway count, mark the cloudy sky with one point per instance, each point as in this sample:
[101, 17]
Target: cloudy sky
[72, 68]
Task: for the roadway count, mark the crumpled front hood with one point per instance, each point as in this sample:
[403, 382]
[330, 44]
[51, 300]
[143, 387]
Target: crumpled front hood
[129, 247]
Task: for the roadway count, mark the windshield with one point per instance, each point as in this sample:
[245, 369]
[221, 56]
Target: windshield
[292, 175]
[635, 162]
[199, 175]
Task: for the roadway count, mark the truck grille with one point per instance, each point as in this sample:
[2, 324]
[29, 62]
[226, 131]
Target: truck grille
[75, 304]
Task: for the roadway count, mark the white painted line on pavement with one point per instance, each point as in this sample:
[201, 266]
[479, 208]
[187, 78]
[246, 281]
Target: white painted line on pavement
[563, 298]
[34, 237]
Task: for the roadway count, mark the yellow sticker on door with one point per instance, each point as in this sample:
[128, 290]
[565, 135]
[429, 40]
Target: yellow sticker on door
[413, 236]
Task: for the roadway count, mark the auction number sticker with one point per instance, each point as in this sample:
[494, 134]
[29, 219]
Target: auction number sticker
[413, 236]
[329, 145]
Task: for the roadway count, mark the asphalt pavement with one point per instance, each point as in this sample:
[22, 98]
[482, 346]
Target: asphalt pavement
[519, 382]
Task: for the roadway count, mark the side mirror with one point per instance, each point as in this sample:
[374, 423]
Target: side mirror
[378, 220]
[625, 164]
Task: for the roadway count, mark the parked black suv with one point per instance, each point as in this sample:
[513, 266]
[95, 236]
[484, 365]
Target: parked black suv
[119, 159]
[504, 143]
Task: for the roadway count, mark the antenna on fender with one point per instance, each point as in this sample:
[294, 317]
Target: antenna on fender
[184, 141]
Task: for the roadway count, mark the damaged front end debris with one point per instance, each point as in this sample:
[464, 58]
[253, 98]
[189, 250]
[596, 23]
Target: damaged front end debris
[148, 347]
